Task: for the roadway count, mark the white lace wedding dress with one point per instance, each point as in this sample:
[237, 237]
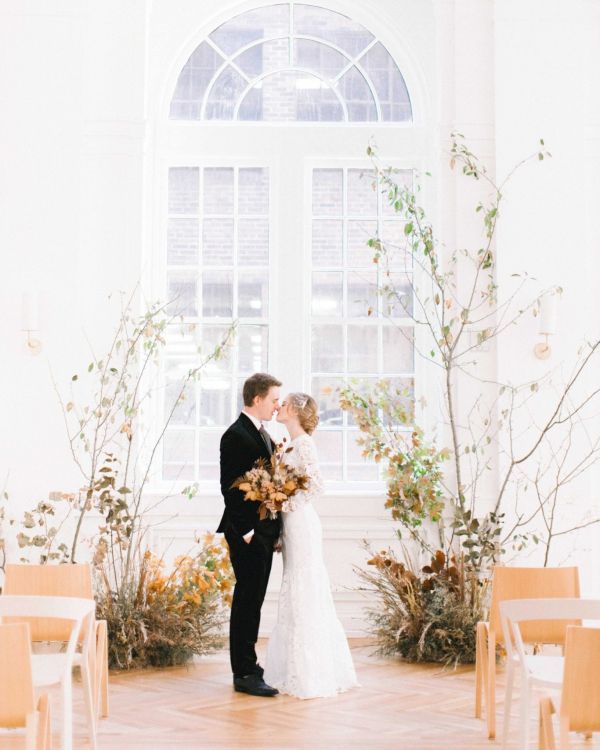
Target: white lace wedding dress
[307, 654]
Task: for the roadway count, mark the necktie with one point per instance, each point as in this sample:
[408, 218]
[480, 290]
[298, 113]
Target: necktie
[266, 439]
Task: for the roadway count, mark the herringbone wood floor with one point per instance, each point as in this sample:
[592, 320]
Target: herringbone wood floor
[398, 707]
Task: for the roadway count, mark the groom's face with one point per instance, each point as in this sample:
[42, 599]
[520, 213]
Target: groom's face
[267, 405]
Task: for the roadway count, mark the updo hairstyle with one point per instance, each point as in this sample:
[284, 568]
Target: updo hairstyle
[306, 408]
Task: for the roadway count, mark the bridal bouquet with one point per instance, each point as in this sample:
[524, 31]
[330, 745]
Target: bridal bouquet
[272, 483]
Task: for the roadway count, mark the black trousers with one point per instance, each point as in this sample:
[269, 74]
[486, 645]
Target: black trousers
[252, 567]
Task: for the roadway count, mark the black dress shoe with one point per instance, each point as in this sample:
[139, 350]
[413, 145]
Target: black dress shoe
[253, 684]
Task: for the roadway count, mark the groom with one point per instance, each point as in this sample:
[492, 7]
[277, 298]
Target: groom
[251, 541]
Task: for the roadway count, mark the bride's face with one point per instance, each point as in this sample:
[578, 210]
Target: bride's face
[286, 413]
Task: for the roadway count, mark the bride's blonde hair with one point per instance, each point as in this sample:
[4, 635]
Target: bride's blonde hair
[307, 410]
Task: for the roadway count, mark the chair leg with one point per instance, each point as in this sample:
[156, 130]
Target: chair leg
[564, 733]
[524, 712]
[545, 731]
[44, 730]
[480, 665]
[31, 730]
[67, 713]
[90, 706]
[510, 676]
[102, 667]
[490, 702]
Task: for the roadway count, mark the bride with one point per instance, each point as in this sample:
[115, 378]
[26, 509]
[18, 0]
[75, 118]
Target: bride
[307, 654]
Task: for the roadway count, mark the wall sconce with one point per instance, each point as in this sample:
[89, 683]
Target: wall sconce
[30, 322]
[547, 325]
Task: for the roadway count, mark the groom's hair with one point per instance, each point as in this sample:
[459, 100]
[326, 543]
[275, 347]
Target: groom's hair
[258, 385]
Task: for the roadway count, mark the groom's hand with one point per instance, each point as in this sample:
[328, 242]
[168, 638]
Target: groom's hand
[277, 547]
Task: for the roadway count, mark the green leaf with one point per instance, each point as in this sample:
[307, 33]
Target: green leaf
[74, 377]
[408, 228]
[90, 366]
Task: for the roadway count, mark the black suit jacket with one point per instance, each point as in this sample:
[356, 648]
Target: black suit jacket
[241, 446]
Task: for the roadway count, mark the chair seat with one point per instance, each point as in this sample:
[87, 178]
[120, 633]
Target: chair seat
[47, 669]
[545, 670]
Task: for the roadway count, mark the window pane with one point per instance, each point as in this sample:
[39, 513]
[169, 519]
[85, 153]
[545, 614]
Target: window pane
[193, 81]
[215, 402]
[388, 83]
[264, 58]
[404, 389]
[327, 294]
[394, 241]
[320, 58]
[217, 242]
[362, 196]
[178, 454]
[400, 177]
[182, 242]
[253, 294]
[253, 242]
[328, 348]
[212, 336]
[224, 94]
[362, 349]
[218, 190]
[208, 452]
[253, 191]
[329, 448]
[333, 27]
[182, 294]
[359, 469]
[251, 26]
[179, 398]
[398, 350]
[325, 391]
[253, 349]
[327, 243]
[361, 294]
[184, 190]
[327, 192]
[360, 255]
[358, 97]
[292, 96]
[251, 109]
[217, 294]
[397, 298]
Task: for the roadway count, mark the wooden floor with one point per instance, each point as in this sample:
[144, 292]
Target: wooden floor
[398, 706]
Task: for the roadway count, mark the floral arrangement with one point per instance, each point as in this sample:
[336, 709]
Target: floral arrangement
[428, 614]
[272, 483]
[165, 618]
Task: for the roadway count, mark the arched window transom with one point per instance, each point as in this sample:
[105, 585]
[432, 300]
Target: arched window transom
[291, 62]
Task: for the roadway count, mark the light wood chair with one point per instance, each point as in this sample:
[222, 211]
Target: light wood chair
[17, 703]
[50, 669]
[537, 670]
[65, 580]
[515, 583]
[580, 697]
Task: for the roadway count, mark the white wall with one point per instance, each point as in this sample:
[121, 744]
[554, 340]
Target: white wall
[82, 85]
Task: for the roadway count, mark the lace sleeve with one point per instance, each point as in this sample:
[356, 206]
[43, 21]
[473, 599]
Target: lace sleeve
[308, 463]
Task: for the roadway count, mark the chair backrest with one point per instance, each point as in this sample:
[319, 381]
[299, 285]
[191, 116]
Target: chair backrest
[580, 702]
[78, 613]
[516, 614]
[531, 583]
[49, 580]
[16, 686]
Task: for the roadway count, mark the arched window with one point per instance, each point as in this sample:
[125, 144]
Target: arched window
[291, 62]
[267, 224]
